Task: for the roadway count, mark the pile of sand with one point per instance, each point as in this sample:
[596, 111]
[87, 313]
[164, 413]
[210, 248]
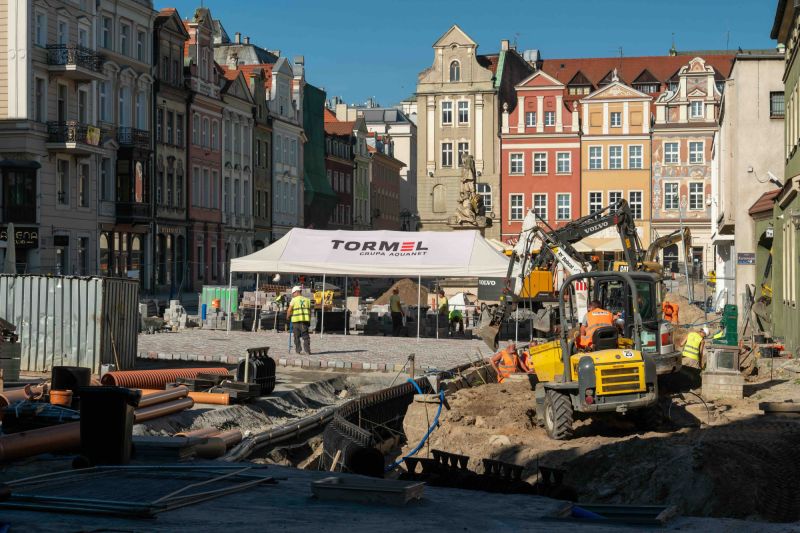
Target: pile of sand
[408, 293]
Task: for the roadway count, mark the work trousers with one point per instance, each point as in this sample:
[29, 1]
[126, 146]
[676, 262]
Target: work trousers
[300, 331]
[397, 323]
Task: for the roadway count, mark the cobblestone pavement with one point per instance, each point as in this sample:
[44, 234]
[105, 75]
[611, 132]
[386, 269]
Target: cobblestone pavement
[356, 352]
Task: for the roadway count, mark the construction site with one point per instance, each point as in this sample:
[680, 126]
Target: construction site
[522, 388]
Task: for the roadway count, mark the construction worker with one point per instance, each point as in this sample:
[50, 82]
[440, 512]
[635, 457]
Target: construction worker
[506, 362]
[299, 314]
[693, 348]
[595, 318]
[444, 305]
[396, 309]
[456, 318]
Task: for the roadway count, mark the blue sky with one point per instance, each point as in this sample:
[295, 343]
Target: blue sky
[357, 49]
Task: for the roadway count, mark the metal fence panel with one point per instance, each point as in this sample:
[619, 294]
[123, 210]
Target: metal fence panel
[68, 320]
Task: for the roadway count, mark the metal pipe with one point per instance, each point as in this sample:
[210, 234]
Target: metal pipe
[214, 398]
[156, 379]
[162, 409]
[163, 396]
[62, 437]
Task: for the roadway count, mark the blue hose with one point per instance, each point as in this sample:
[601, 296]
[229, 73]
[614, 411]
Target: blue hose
[434, 424]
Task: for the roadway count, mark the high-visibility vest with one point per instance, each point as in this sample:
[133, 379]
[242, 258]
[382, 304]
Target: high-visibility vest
[443, 305]
[508, 365]
[301, 309]
[454, 314]
[691, 350]
[595, 319]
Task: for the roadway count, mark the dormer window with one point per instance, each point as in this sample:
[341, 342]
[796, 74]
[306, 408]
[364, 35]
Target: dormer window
[696, 109]
[455, 71]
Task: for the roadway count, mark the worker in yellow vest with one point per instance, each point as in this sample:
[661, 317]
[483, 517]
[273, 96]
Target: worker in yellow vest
[299, 314]
[693, 348]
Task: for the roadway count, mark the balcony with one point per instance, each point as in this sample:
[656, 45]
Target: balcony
[73, 137]
[74, 62]
[133, 211]
[133, 138]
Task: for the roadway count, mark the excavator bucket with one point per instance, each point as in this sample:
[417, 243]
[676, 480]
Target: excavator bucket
[487, 330]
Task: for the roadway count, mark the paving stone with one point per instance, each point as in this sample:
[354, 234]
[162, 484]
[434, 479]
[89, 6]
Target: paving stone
[282, 361]
[357, 366]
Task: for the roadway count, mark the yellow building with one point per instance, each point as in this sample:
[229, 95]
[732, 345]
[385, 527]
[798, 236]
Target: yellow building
[615, 159]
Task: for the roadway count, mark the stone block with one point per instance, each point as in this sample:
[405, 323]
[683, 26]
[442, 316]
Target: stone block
[722, 385]
[348, 364]
[313, 363]
[297, 362]
[305, 363]
[233, 359]
[332, 364]
[282, 361]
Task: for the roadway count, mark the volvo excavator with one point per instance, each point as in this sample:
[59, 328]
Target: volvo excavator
[543, 248]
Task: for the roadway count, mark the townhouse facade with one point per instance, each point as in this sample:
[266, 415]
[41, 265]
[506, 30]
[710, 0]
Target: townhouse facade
[237, 165]
[363, 213]
[540, 150]
[169, 151]
[204, 157]
[384, 184]
[319, 199]
[339, 168]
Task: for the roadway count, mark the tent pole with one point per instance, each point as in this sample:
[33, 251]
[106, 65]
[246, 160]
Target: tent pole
[322, 304]
[419, 297]
[256, 321]
[345, 305]
[230, 284]
[437, 309]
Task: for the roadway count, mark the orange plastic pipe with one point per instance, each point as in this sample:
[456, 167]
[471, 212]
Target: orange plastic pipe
[231, 437]
[156, 379]
[163, 396]
[216, 398]
[162, 409]
[61, 438]
[204, 432]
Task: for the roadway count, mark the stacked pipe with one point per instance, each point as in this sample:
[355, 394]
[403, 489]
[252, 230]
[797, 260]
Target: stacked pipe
[155, 379]
[215, 442]
[67, 437]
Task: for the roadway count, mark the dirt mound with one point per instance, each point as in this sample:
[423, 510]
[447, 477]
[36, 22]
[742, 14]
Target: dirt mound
[408, 293]
[745, 468]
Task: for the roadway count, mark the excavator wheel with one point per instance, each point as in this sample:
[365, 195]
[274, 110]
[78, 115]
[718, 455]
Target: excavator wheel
[557, 415]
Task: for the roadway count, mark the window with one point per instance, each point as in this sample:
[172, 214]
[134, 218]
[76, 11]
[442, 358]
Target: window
[463, 150]
[196, 129]
[170, 127]
[635, 203]
[292, 149]
[517, 207]
[214, 135]
[671, 196]
[195, 186]
[696, 109]
[447, 154]
[83, 185]
[106, 180]
[540, 205]
[179, 129]
[104, 101]
[83, 106]
[580, 89]
[549, 118]
[170, 188]
[540, 163]
[595, 157]
[61, 244]
[614, 197]
[278, 148]
[41, 29]
[206, 188]
[83, 256]
[107, 34]
[563, 206]
[41, 94]
[63, 32]
[61, 103]
[140, 38]
[455, 71]
[159, 124]
[696, 152]
[563, 162]
[635, 156]
[615, 157]
[595, 202]
[696, 196]
[647, 88]
[530, 119]
[517, 164]
[463, 112]
[616, 119]
[124, 34]
[141, 111]
[776, 105]
[159, 182]
[447, 112]
[671, 155]
[63, 182]
[204, 133]
[485, 192]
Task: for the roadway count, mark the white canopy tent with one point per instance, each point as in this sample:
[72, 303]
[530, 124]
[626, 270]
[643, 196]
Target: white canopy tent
[462, 253]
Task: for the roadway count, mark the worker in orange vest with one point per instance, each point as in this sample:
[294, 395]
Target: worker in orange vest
[670, 311]
[507, 362]
[595, 318]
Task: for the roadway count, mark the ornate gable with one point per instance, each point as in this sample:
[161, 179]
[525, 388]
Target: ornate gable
[616, 90]
[539, 79]
[455, 36]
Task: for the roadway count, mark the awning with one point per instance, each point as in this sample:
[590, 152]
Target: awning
[20, 163]
[599, 245]
[463, 253]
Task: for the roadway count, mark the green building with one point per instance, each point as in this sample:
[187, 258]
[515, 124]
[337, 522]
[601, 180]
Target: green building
[786, 209]
[319, 199]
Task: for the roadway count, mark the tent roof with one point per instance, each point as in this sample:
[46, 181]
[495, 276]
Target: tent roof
[463, 253]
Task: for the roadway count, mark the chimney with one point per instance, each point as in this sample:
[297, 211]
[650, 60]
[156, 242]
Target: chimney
[504, 45]
[237, 38]
[247, 40]
[299, 60]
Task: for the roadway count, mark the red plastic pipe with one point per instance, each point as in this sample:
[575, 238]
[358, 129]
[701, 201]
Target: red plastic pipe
[60, 438]
[156, 379]
[162, 409]
[163, 396]
[231, 437]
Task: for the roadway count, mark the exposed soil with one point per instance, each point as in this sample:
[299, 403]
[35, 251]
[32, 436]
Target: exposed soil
[408, 293]
[724, 460]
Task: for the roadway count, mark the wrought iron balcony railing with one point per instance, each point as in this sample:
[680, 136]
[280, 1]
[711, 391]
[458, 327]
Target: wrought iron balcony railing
[74, 55]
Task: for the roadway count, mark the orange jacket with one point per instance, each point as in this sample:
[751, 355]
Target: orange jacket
[595, 318]
[508, 364]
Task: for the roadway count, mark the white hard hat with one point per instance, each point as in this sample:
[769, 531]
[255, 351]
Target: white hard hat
[705, 330]
[296, 288]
